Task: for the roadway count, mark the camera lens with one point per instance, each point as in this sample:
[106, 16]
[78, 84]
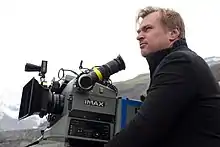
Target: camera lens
[86, 81]
[56, 104]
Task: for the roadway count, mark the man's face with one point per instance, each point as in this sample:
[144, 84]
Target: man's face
[152, 35]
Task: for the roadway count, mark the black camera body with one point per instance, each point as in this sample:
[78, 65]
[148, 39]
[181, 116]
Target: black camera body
[80, 109]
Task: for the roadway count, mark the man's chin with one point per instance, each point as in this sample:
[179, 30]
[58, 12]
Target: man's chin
[144, 54]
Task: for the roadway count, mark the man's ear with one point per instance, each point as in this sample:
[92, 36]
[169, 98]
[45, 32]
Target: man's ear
[174, 34]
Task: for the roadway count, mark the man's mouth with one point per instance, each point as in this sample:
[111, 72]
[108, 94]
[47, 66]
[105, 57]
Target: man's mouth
[142, 45]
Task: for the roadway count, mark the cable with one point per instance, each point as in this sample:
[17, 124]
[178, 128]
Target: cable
[63, 75]
[38, 140]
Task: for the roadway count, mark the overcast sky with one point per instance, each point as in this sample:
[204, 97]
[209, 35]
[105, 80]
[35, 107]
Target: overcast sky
[95, 31]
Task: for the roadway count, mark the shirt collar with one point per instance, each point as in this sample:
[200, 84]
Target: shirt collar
[155, 58]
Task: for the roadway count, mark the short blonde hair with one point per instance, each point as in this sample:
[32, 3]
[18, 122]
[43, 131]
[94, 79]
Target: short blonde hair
[169, 18]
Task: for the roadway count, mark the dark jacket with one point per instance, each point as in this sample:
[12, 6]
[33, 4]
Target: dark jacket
[182, 107]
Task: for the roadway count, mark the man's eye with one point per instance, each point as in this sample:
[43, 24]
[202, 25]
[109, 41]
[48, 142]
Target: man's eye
[146, 29]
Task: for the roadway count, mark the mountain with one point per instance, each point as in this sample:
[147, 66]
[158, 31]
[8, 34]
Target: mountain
[24, 132]
[20, 138]
[214, 64]
[8, 123]
[133, 88]
[9, 115]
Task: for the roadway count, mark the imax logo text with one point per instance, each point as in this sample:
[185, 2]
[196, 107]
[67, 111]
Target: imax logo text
[94, 103]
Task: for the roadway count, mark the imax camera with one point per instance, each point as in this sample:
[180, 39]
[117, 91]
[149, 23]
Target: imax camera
[80, 108]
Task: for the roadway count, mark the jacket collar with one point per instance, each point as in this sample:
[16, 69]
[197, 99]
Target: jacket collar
[155, 58]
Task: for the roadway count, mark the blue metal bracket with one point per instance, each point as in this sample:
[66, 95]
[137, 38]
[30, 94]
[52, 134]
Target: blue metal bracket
[125, 103]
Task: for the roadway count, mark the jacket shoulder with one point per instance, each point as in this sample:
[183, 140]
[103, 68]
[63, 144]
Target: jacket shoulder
[184, 54]
[179, 57]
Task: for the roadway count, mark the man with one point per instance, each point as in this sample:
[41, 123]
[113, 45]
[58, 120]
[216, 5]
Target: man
[182, 106]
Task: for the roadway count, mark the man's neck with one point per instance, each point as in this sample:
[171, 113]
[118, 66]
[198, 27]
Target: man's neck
[172, 42]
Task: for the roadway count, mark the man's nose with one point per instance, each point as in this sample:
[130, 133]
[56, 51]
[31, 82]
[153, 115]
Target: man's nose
[140, 37]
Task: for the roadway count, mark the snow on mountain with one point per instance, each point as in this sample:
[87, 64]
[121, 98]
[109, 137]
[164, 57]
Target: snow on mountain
[1, 115]
[9, 110]
[214, 63]
[212, 60]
